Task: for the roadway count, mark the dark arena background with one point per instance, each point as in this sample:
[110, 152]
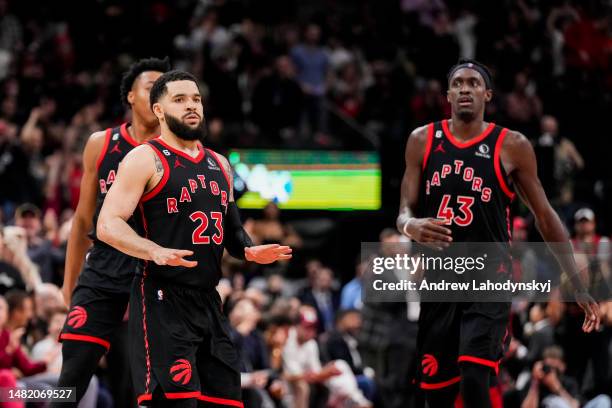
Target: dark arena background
[312, 102]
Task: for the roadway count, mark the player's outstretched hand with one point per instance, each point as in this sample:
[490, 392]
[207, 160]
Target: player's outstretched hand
[173, 257]
[592, 316]
[265, 254]
[429, 231]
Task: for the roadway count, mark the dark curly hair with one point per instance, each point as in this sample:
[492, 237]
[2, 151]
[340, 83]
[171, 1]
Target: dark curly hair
[137, 68]
[159, 87]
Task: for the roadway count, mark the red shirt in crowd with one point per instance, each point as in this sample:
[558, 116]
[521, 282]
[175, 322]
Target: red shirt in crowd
[17, 358]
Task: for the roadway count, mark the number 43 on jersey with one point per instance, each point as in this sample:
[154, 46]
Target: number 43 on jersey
[446, 213]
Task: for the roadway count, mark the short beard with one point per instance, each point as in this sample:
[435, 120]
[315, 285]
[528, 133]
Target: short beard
[183, 131]
[466, 116]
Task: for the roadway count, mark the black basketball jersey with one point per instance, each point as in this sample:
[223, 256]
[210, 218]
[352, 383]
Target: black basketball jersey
[186, 210]
[464, 184]
[106, 266]
[117, 144]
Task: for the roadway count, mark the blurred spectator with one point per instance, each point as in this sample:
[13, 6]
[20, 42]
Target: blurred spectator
[49, 345]
[278, 102]
[270, 229]
[551, 387]
[592, 253]
[348, 90]
[11, 36]
[312, 64]
[341, 344]
[523, 105]
[351, 295]
[40, 250]
[387, 339]
[587, 39]
[11, 354]
[557, 23]
[558, 158]
[10, 262]
[302, 367]
[20, 310]
[524, 258]
[17, 245]
[256, 375]
[540, 333]
[322, 298]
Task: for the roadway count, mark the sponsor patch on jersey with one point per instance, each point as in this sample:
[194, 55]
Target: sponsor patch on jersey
[212, 165]
[483, 151]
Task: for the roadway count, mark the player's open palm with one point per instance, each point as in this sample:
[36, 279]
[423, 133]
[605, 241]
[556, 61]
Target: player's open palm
[429, 231]
[265, 254]
[173, 257]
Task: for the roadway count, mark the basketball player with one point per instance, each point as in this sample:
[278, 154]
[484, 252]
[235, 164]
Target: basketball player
[461, 176]
[181, 351]
[99, 301]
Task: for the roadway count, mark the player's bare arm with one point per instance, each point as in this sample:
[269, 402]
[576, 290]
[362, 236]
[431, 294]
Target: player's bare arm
[425, 230]
[519, 162]
[139, 172]
[238, 243]
[78, 241]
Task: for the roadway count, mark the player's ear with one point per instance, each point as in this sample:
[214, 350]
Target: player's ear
[158, 110]
[448, 96]
[488, 95]
[130, 97]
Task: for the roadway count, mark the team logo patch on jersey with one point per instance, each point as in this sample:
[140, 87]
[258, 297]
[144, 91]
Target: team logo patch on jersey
[212, 165]
[77, 317]
[483, 151]
[430, 365]
[181, 371]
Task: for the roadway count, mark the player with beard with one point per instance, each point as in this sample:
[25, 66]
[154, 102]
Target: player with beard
[461, 176]
[99, 301]
[181, 351]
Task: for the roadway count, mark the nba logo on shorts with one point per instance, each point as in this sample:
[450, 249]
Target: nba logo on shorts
[160, 294]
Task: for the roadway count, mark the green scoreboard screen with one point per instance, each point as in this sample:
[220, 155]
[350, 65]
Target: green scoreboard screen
[307, 179]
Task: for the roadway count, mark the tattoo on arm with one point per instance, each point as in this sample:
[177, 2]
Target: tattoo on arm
[230, 175]
[159, 168]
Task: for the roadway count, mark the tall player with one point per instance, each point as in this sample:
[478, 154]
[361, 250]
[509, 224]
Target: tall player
[99, 301]
[461, 176]
[181, 351]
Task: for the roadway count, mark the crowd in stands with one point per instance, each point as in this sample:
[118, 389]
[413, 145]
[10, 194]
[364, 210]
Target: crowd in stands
[317, 75]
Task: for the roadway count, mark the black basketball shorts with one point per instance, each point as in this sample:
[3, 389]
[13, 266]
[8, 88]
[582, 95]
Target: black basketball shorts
[452, 333]
[95, 313]
[180, 345]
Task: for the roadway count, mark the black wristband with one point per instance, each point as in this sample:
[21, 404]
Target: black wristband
[236, 238]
